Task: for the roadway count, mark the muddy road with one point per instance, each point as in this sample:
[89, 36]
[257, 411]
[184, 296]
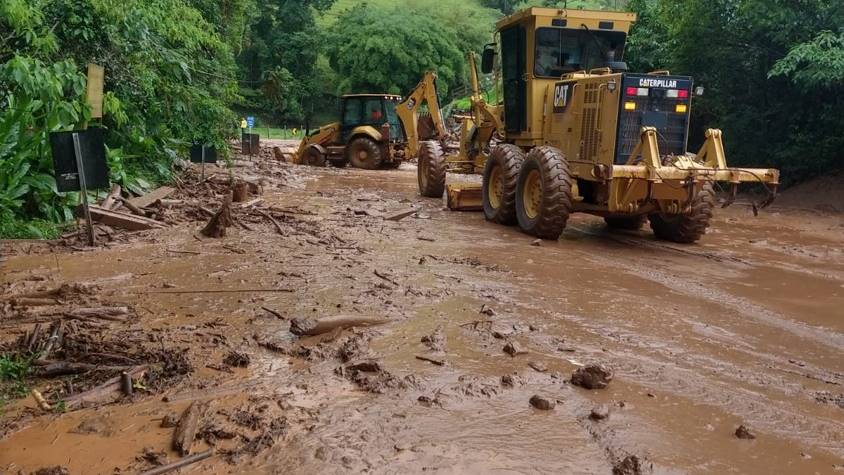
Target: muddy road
[744, 328]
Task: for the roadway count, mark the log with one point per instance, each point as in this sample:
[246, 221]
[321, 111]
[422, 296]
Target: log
[240, 191]
[111, 198]
[167, 204]
[126, 383]
[42, 403]
[109, 389]
[272, 220]
[114, 314]
[186, 430]
[61, 368]
[180, 463]
[430, 360]
[56, 334]
[152, 197]
[251, 203]
[400, 214]
[123, 220]
[33, 302]
[312, 327]
[216, 227]
[134, 209]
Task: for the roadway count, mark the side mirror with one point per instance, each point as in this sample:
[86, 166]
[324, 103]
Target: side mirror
[617, 66]
[698, 90]
[487, 58]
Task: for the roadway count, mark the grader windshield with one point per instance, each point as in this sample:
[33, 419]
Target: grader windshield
[565, 50]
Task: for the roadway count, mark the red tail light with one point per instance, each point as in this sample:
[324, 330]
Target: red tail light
[683, 94]
[632, 91]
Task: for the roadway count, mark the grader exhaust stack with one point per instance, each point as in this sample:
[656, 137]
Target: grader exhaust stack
[581, 134]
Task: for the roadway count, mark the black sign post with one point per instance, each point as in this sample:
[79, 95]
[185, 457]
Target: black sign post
[201, 153]
[79, 161]
[77, 152]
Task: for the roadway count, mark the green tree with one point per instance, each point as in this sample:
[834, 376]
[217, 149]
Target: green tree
[279, 59]
[772, 70]
[376, 49]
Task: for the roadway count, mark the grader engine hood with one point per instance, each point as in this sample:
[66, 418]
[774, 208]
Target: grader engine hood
[661, 102]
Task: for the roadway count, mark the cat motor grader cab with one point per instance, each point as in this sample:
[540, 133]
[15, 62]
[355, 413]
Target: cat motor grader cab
[375, 130]
[581, 134]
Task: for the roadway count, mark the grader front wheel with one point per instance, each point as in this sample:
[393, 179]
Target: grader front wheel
[543, 193]
[686, 228]
[431, 170]
[501, 173]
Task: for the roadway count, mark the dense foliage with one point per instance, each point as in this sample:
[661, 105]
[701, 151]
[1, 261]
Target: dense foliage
[169, 80]
[773, 72]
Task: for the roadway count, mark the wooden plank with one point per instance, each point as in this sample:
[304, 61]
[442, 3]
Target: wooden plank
[400, 214]
[152, 197]
[94, 90]
[123, 220]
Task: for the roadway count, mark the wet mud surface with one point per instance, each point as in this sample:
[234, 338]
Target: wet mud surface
[469, 365]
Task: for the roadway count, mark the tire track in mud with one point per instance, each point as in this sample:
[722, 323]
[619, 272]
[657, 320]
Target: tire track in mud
[738, 306]
[654, 361]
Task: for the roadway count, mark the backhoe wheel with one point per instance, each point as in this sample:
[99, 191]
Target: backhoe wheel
[431, 169]
[363, 152]
[686, 228]
[543, 193]
[625, 222]
[501, 173]
[313, 156]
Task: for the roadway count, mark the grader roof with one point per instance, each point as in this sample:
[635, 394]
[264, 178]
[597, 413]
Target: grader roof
[545, 16]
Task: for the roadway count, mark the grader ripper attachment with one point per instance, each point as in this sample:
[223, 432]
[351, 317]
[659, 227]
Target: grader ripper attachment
[581, 134]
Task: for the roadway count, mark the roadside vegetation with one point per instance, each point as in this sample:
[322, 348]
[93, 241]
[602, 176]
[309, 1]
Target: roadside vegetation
[184, 71]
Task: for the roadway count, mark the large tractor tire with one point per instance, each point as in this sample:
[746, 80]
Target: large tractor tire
[543, 193]
[686, 228]
[633, 223]
[363, 152]
[501, 173]
[431, 169]
[313, 156]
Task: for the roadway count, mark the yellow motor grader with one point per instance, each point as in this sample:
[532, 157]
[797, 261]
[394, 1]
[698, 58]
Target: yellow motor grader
[579, 133]
[376, 130]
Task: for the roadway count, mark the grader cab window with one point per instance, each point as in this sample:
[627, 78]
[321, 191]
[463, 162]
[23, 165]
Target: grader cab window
[565, 50]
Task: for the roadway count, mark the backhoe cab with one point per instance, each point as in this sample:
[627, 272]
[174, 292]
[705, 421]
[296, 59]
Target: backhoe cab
[580, 133]
[376, 130]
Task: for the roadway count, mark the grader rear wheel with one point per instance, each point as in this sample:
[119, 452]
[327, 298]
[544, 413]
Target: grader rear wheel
[543, 193]
[363, 152]
[686, 228]
[501, 173]
[431, 169]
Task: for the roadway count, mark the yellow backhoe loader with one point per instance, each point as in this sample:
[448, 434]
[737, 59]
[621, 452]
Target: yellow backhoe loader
[375, 130]
[581, 134]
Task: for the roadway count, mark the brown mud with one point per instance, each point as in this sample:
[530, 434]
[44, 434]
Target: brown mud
[744, 328]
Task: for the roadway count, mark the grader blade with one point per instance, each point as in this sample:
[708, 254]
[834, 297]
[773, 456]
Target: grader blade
[464, 197]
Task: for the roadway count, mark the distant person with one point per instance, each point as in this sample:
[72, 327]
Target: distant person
[243, 126]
